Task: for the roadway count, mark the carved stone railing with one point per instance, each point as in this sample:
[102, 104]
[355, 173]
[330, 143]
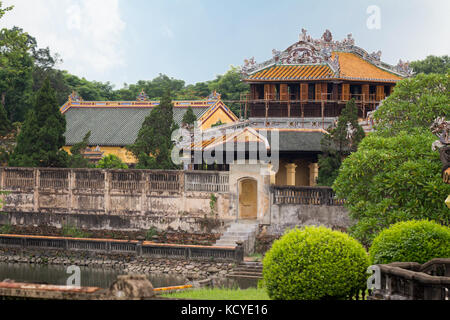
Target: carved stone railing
[100, 191]
[413, 281]
[320, 196]
[207, 181]
[144, 249]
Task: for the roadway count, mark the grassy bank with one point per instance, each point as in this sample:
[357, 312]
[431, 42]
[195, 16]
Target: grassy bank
[220, 294]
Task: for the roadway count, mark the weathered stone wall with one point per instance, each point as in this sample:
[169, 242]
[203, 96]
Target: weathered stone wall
[116, 200]
[288, 216]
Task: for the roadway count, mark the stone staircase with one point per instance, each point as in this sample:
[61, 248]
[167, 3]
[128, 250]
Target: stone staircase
[247, 270]
[242, 231]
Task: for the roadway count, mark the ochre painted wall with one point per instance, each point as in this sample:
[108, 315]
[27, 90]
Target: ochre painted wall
[302, 178]
[218, 115]
[124, 155]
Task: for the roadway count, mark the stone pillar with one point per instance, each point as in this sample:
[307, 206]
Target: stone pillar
[107, 196]
[290, 174]
[72, 184]
[37, 175]
[272, 175]
[313, 174]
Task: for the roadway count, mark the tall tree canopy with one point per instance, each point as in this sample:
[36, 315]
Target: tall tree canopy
[154, 143]
[432, 64]
[394, 175]
[16, 67]
[42, 136]
[339, 143]
[415, 102]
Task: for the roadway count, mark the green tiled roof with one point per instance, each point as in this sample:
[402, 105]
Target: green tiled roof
[112, 126]
[298, 141]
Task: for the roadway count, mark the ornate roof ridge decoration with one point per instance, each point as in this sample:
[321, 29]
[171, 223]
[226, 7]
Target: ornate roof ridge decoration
[214, 96]
[320, 51]
[142, 96]
[76, 101]
[75, 97]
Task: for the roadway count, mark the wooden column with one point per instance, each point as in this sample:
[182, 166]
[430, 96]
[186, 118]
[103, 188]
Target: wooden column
[267, 91]
[303, 99]
[365, 100]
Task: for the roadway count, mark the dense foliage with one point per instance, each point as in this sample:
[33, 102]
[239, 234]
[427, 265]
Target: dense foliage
[338, 144]
[315, 263]
[415, 103]
[189, 118]
[5, 124]
[432, 64]
[42, 136]
[154, 143]
[111, 162]
[411, 241]
[390, 180]
[77, 159]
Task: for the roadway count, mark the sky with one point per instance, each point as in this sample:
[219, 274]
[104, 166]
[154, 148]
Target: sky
[123, 41]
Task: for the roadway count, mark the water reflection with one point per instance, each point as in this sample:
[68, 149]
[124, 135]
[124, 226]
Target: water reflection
[90, 277]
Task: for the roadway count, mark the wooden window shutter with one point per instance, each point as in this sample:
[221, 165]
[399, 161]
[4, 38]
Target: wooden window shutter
[318, 91]
[366, 92]
[284, 93]
[303, 91]
[380, 93]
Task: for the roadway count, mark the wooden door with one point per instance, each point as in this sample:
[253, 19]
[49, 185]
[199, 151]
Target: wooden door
[248, 199]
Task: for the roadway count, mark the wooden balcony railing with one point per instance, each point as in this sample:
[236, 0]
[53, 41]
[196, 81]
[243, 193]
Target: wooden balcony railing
[295, 98]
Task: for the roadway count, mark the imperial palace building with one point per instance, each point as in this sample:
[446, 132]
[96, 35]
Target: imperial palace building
[298, 94]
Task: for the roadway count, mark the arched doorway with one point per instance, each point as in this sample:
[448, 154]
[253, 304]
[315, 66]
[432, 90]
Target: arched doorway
[248, 199]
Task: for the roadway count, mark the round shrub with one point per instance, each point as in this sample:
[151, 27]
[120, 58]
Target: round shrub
[315, 263]
[411, 241]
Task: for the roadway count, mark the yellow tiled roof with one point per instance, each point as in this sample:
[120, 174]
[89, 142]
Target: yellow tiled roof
[299, 72]
[352, 67]
[356, 68]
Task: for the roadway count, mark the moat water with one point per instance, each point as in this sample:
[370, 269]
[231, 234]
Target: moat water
[96, 277]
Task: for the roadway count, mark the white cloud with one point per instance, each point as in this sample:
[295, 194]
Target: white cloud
[86, 33]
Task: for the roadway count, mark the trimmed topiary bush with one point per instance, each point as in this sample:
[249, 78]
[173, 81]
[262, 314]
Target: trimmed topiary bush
[411, 241]
[315, 263]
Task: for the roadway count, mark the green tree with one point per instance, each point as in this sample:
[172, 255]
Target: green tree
[415, 103]
[230, 86]
[339, 143]
[432, 64]
[3, 10]
[5, 124]
[77, 159]
[16, 66]
[392, 179]
[111, 162]
[154, 142]
[189, 117]
[42, 136]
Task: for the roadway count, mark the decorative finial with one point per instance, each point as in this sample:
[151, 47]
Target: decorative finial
[142, 96]
[74, 96]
